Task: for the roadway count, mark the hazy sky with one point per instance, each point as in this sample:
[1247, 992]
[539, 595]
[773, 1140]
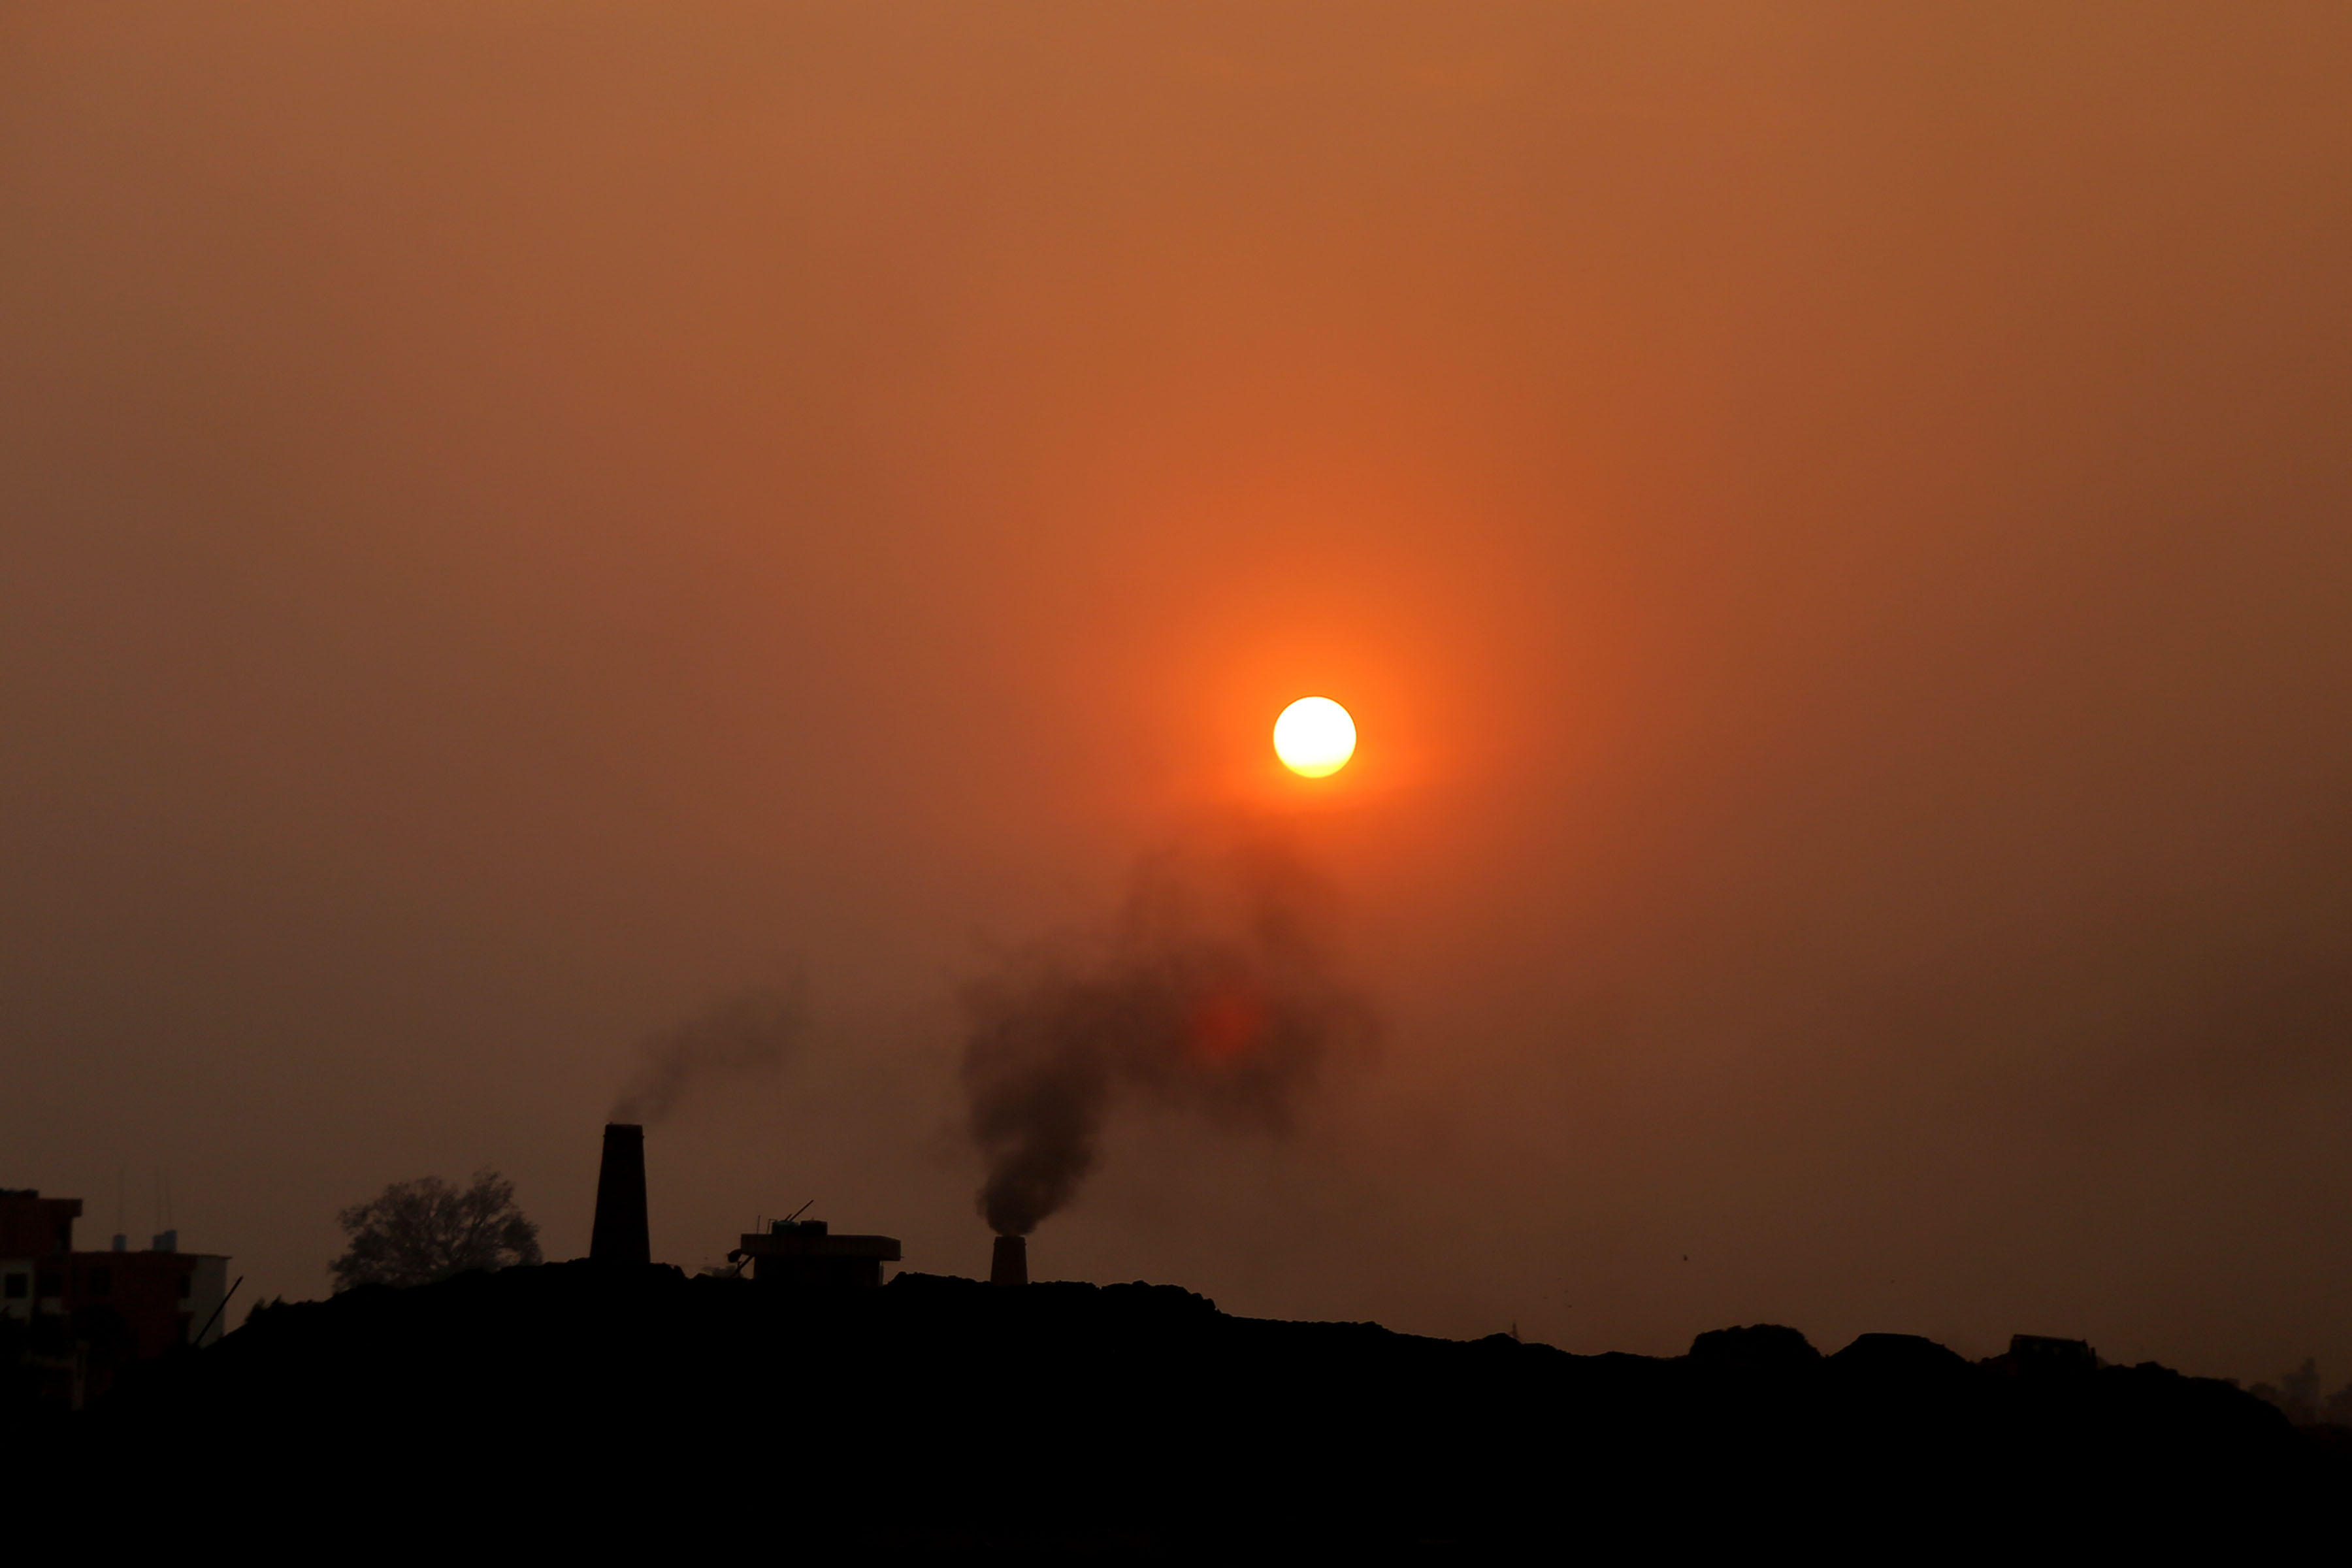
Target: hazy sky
[520, 522]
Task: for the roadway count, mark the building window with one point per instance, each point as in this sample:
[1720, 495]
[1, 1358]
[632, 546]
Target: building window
[16, 1286]
[99, 1281]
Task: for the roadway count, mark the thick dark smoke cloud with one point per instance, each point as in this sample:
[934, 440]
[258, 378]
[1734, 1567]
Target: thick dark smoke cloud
[1211, 990]
[741, 1036]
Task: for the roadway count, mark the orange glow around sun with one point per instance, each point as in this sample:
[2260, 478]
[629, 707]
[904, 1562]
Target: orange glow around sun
[1315, 737]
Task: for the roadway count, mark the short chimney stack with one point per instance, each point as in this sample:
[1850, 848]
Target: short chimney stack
[620, 1234]
[1011, 1264]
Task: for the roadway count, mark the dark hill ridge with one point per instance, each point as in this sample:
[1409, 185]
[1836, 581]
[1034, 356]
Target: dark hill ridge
[942, 1414]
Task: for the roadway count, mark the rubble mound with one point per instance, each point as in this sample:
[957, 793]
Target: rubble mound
[943, 1417]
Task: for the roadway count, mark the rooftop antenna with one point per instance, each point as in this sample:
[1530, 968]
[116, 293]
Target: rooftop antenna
[796, 1214]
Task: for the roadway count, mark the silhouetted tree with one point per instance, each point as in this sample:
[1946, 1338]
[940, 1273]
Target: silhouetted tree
[414, 1233]
[2296, 1393]
[2300, 1392]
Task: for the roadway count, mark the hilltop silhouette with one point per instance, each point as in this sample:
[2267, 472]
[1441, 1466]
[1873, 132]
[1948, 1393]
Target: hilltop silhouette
[945, 1416]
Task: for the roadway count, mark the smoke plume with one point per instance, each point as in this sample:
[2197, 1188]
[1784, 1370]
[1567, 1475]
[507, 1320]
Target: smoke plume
[1209, 991]
[741, 1034]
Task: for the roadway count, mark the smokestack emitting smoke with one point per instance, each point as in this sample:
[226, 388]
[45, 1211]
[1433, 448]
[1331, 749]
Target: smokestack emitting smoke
[1209, 991]
[620, 1233]
[1009, 1263]
[738, 1035]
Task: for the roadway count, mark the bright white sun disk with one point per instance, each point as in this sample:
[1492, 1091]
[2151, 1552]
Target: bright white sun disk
[1315, 737]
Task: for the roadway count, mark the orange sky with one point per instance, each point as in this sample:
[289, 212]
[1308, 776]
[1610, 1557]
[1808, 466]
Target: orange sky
[521, 520]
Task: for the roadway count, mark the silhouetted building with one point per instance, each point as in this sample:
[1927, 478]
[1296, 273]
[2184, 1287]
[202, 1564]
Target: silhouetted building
[34, 1226]
[2035, 1355]
[91, 1313]
[2297, 1393]
[804, 1253]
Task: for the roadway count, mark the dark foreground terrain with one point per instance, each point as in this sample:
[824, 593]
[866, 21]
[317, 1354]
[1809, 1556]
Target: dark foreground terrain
[941, 1417]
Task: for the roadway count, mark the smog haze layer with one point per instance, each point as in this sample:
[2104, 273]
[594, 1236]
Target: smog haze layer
[522, 523]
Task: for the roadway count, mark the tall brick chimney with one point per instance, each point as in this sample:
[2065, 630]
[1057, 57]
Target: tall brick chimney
[619, 1235]
[1010, 1266]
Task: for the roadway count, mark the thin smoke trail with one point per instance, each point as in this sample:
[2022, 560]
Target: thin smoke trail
[740, 1035]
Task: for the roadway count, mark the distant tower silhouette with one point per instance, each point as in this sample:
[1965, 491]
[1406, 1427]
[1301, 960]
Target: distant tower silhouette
[619, 1235]
[1010, 1266]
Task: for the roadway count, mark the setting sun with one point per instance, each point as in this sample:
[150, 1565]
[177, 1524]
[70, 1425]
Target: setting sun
[1315, 737]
